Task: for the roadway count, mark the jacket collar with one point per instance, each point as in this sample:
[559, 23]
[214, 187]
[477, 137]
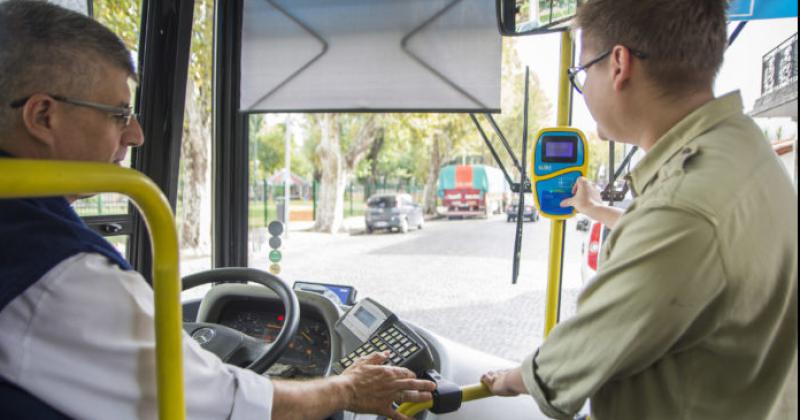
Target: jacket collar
[693, 125]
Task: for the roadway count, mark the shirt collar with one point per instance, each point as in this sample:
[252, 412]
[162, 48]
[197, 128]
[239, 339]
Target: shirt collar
[693, 125]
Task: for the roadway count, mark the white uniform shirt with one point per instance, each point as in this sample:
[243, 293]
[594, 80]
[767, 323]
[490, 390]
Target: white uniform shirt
[82, 340]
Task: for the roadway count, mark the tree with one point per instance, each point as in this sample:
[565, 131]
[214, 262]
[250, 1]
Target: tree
[435, 139]
[344, 141]
[195, 193]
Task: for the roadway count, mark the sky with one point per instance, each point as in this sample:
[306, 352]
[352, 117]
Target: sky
[741, 69]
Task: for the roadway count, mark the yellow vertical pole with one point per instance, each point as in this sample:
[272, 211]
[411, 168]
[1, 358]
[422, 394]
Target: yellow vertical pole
[557, 226]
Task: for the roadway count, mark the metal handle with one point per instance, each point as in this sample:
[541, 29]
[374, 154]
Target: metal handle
[470, 392]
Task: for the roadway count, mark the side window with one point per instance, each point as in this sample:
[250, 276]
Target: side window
[193, 208]
[109, 213]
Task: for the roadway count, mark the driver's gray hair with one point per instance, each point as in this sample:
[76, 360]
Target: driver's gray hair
[48, 49]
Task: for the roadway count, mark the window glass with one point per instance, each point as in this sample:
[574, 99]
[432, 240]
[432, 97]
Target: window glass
[124, 19]
[382, 202]
[193, 213]
[120, 243]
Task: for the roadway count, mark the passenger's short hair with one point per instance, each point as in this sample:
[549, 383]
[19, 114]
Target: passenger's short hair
[46, 48]
[684, 40]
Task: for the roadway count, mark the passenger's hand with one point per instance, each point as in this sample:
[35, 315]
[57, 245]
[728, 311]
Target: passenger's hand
[504, 383]
[584, 196]
[374, 387]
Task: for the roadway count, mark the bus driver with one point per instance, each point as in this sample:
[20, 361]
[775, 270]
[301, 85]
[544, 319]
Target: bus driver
[77, 328]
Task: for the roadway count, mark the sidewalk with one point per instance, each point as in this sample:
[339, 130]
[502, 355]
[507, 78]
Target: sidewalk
[353, 223]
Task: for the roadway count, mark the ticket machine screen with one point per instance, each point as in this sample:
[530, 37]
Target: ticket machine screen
[560, 149]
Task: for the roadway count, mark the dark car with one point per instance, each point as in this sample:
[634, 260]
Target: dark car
[528, 213]
[393, 211]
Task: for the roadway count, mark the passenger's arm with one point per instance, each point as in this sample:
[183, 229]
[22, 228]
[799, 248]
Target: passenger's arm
[661, 277]
[586, 199]
[365, 387]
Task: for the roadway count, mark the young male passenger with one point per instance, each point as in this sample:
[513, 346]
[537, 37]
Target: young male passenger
[693, 312]
[76, 323]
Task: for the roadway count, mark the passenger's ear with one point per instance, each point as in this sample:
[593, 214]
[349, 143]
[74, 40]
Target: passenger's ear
[37, 118]
[621, 66]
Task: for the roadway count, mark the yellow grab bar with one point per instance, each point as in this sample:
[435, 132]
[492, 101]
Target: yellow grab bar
[40, 178]
[469, 393]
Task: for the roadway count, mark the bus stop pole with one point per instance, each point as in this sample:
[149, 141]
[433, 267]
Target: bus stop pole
[558, 227]
[287, 180]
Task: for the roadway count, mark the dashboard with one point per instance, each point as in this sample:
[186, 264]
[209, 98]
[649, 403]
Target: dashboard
[309, 353]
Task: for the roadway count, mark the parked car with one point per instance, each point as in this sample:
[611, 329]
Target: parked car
[529, 212]
[393, 212]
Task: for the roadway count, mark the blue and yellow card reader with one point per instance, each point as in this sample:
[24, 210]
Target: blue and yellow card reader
[560, 156]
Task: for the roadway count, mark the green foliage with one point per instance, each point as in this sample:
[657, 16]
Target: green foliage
[200, 60]
[121, 16]
[267, 144]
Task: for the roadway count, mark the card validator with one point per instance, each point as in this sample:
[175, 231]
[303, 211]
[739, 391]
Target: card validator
[369, 327]
[560, 156]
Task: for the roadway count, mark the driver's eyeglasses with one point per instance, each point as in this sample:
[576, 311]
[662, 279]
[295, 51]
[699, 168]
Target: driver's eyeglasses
[577, 75]
[121, 114]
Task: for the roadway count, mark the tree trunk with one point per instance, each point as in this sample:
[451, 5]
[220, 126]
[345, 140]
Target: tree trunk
[374, 153]
[434, 166]
[330, 203]
[194, 153]
[337, 167]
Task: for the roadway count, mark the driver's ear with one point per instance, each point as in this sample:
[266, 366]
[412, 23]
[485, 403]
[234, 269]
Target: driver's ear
[38, 119]
[621, 66]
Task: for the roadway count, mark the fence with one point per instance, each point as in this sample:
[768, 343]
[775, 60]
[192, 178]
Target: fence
[102, 205]
[779, 66]
[266, 200]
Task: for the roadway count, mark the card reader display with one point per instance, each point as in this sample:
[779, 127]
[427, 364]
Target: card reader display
[560, 158]
[369, 327]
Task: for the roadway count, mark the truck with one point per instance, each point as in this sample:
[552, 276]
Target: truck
[472, 190]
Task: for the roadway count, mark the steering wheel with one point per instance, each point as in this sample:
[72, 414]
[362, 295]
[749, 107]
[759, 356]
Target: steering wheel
[235, 347]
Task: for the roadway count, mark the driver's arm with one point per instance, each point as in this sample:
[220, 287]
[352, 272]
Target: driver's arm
[365, 387]
[82, 340]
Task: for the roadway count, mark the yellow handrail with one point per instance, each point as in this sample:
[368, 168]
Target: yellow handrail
[39, 178]
[557, 226]
[469, 393]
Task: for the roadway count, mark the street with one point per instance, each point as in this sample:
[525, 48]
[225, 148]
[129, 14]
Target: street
[453, 277]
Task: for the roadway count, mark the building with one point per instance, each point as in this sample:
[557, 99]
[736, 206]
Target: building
[779, 95]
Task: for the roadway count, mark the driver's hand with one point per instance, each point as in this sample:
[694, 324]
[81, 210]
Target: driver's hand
[374, 387]
[584, 196]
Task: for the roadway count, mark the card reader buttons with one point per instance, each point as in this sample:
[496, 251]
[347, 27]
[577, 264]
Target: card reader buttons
[400, 346]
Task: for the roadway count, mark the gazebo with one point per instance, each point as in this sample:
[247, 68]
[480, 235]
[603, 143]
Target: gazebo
[299, 188]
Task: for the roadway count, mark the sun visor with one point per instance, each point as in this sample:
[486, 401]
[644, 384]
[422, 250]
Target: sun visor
[375, 55]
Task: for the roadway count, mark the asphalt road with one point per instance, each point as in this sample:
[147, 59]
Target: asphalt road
[453, 277]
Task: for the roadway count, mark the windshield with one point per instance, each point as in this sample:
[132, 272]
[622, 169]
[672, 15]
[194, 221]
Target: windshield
[444, 264]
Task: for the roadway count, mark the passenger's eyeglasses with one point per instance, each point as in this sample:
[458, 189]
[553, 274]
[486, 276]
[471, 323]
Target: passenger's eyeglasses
[577, 75]
[121, 114]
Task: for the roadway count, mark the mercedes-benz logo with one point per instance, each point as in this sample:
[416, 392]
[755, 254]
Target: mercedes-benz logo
[204, 335]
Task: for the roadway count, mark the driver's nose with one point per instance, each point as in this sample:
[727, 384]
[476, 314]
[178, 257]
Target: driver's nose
[133, 135]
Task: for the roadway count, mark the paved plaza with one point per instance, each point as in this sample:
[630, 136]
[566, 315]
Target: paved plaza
[453, 277]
